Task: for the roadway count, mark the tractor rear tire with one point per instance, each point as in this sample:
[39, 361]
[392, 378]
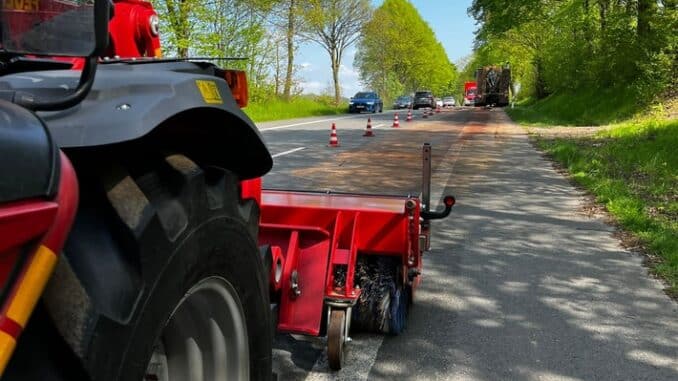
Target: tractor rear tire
[201, 278]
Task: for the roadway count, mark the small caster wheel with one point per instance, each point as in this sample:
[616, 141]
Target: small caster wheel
[336, 336]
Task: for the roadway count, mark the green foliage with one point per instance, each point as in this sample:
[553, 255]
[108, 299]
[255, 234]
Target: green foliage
[335, 25]
[633, 170]
[570, 45]
[399, 53]
[226, 28]
[583, 107]
[298, 107]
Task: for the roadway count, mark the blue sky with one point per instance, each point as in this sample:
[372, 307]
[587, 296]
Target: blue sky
[448, 19]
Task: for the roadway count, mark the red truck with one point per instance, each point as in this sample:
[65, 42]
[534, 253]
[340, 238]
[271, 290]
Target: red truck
[470, 89]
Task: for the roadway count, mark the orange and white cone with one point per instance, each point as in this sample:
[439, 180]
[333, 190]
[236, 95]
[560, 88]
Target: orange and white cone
[396, 121]
[334, 140]
[409, 115]
[368, 130]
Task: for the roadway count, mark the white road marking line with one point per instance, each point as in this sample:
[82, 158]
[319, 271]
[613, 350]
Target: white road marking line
[440, 177]
[360, 358]
[305, 123]
[288, 152]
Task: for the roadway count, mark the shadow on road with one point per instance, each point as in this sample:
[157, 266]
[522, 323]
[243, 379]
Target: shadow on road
[523, 287]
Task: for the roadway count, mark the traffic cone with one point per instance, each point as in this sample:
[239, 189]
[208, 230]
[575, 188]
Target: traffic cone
[409, 115]
[437, 109]
[334, 140]
[368, 130]
[396, 121]
[425, 116]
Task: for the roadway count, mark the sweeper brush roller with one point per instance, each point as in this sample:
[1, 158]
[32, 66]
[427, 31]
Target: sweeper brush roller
[383, 303]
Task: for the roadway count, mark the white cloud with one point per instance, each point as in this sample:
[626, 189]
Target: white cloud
[348, 88]
[346, 71]
[306, 66]
[312, 87]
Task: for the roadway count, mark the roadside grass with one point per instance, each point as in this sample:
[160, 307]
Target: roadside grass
[278, 109]
[588, 107]
[632, 168]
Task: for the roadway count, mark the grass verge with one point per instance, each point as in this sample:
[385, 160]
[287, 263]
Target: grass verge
[587, 107]
[277, 109]
[632, 169]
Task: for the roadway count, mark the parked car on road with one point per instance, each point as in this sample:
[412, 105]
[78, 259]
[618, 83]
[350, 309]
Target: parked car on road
[404, 101]
[365, 101]
[423, 99]
[449, 102]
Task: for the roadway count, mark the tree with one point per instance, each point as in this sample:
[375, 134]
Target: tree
[398, 52]
[574, 45]
[646, 11]
[223, 28]
[178, 16]
[336, 25]
[287, 17]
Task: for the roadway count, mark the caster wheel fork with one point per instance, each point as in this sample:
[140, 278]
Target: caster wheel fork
[337, 337]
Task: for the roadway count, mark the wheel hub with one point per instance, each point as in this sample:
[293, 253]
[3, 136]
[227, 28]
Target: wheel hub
[205, 338]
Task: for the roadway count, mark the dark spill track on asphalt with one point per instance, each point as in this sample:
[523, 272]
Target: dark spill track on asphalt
[520, 285]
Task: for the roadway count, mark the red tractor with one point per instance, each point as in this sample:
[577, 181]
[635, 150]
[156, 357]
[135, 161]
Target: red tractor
[135, 239]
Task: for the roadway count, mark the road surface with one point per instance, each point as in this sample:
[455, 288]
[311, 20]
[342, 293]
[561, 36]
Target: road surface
[520, 284]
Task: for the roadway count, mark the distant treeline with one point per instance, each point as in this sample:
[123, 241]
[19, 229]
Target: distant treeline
[397, 50]
[398, 53]
[266, 33]
[566, 45]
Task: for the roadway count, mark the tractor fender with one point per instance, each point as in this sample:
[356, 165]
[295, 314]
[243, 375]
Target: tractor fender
[181, 104]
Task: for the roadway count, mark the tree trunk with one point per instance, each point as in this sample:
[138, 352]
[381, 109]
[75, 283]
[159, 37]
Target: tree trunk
[646, 8]
[335, 76]
[185, 30]
[277, 73]
[287, 92]
[602, 8]
[540, 85]
[182, 52]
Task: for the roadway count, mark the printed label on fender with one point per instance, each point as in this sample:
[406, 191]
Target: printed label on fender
[209, 91]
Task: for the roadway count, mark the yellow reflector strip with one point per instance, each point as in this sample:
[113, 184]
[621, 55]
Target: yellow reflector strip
[7, 344]
[31, 286]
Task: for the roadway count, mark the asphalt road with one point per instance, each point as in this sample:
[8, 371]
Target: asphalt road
[521, 284]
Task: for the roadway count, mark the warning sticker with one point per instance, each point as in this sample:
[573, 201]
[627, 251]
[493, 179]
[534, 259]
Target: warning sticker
[209, 91]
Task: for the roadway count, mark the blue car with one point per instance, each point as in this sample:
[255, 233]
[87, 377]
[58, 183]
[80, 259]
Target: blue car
[365, 101]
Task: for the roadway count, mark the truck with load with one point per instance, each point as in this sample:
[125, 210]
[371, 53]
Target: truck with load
[493, 83]
[138, 244]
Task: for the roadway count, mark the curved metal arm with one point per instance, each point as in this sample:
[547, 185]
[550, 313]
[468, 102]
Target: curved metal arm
[30, 102]
[437, 215]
